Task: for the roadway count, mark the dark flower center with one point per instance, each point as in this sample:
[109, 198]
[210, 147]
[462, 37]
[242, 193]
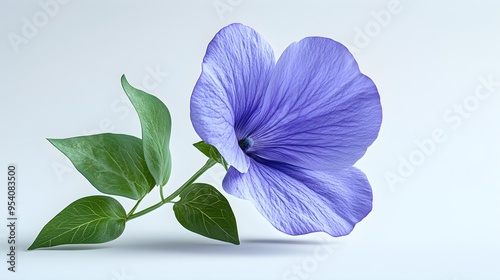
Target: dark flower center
[245, 143]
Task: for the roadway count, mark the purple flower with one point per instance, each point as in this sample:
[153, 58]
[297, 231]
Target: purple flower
[291, 130]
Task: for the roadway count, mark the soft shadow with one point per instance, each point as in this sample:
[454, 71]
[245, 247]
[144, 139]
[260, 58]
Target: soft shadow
[78, 247]
[283, 241]
[248, 247]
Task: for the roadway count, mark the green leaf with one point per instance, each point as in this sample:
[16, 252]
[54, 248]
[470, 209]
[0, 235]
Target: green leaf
[113, 163]
[156, 125]
[211, 152]
[204, 210]
[93, 219]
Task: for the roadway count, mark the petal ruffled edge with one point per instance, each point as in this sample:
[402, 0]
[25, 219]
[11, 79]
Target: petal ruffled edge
[299, 201]
[235, 72]
[322, 112]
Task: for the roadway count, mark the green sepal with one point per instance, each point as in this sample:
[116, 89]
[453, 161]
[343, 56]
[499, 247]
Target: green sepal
[211, 152]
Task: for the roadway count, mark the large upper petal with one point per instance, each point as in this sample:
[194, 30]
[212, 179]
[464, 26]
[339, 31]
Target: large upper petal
[322, 113]
[299, 201]
[235, 74]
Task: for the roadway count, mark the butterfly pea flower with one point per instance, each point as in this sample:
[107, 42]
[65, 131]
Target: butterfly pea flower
[291, 130]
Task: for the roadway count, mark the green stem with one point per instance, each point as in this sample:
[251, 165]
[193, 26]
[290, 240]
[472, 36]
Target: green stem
[162, 197]
[191, 180]
[135, 207]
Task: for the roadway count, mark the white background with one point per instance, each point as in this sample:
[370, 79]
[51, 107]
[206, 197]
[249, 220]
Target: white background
[439, 220]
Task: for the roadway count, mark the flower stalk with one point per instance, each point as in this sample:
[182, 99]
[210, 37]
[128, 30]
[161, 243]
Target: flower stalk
[209, 164]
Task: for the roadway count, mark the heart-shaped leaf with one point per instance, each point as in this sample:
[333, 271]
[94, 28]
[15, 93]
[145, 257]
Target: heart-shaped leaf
[113, 163]
[93, 219]
[156, 126]
[204, 210]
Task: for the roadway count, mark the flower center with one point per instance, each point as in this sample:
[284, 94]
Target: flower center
[245, 143]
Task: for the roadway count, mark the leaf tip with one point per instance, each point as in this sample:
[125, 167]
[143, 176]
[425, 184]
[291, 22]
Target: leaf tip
[124, 82]
[52, 141]
[33, 247]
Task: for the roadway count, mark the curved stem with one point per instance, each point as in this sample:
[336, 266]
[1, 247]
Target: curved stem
[162, 197]
[135, 207]
[145, 211]
[191, 180]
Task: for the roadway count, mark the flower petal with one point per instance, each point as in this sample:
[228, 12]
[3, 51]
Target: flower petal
[299, 201]
[235, 74]
[322, 112]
